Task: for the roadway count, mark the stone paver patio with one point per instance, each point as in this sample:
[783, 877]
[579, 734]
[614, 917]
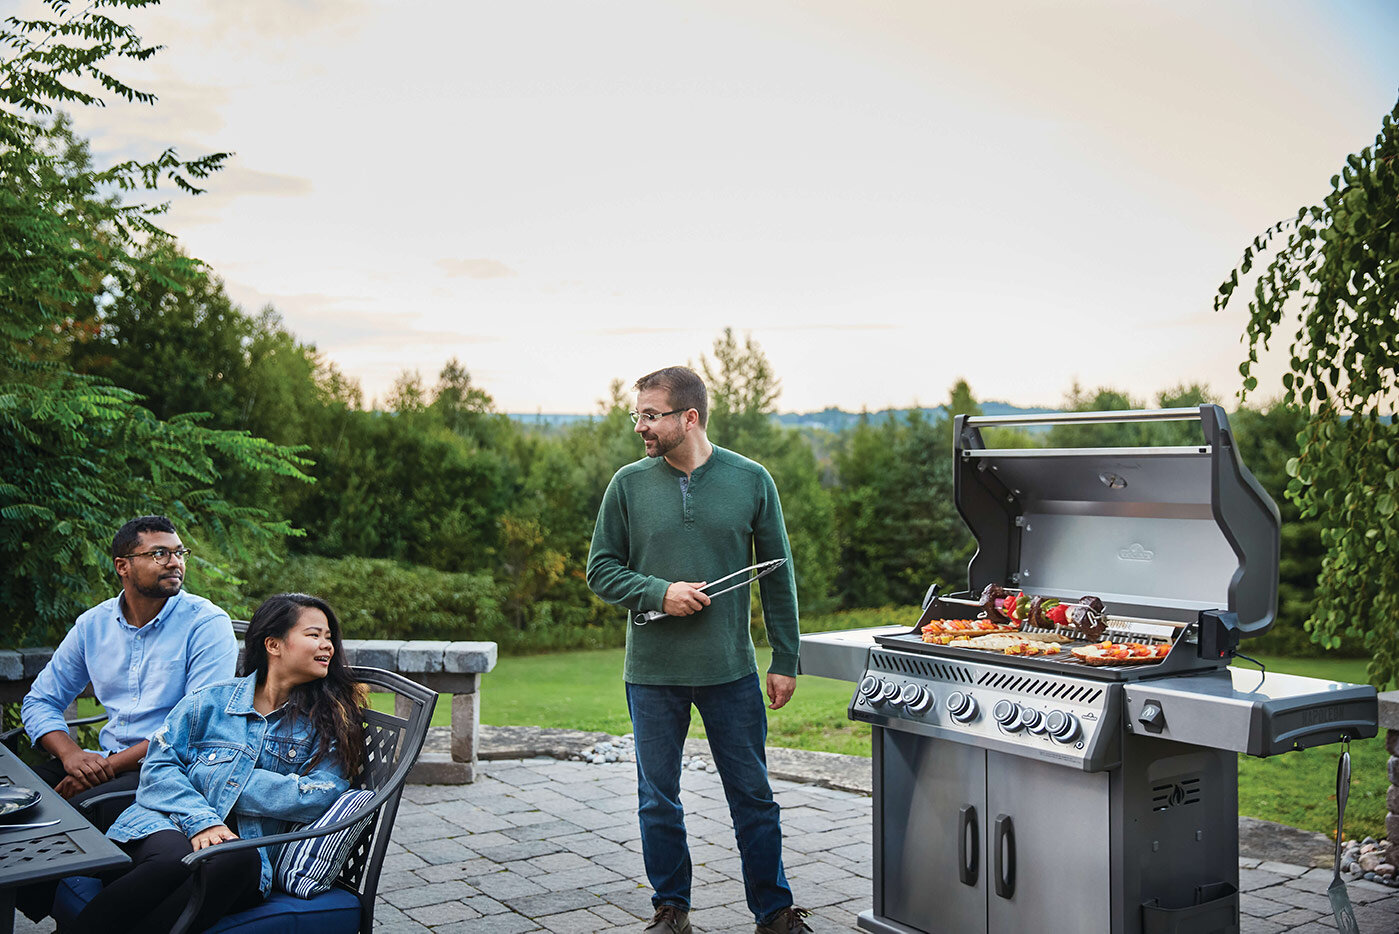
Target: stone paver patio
[543, 844]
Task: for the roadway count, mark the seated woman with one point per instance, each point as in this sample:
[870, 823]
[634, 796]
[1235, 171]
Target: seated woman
[241, 758]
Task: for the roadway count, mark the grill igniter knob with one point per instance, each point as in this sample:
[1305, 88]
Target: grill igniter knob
[961, 706]
[1062, 726]
[1007, 714]
[1032, 720]
[888, 692]
[915, 698]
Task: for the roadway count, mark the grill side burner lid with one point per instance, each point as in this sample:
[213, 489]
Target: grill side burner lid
[1174, 533]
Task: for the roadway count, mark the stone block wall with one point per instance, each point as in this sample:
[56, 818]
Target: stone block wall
[1389, 722]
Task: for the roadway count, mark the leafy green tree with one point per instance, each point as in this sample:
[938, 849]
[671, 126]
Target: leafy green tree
[899, 529]
[407, 396]
[1333, 280]
[463, 407]
[961, 401]
[78, 455]
[743, 392]
[407, 488]
[1131, 434]
[1267, 440]
[179, 345]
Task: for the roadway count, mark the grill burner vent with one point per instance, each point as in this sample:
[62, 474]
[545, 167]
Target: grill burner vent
[1057, 690]
[918, 666]
[1176, 793]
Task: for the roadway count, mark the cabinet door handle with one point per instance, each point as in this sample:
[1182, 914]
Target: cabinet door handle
[968, 846]
[1005, 856]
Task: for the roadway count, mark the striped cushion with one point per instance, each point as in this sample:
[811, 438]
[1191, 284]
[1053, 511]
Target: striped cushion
[306, 868]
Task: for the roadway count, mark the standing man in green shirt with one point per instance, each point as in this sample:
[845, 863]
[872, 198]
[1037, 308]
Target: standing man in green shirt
[688, 513]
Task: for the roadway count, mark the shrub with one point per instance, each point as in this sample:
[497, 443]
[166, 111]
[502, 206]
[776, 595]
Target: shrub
[377, 598]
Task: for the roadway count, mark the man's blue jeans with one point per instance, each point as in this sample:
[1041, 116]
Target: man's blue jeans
[736, 720]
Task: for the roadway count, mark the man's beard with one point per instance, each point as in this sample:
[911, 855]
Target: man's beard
[160, 588]
[664, 446]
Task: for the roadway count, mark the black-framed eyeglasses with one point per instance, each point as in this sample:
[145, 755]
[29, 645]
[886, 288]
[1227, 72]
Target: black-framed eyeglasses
[651, 418]
[161, 556]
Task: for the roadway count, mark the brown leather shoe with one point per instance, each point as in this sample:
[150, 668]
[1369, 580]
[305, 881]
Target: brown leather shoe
[669, 920]
[787, 921]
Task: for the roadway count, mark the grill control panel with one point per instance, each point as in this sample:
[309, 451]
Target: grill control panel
[1074, 722]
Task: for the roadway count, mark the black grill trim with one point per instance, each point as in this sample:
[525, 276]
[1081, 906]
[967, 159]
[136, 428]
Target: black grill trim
[908, 665]
[1043, 687]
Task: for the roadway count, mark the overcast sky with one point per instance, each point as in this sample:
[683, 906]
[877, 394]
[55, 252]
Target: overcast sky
[886, 195]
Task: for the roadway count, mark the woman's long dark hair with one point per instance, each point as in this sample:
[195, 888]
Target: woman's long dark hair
[332, 703]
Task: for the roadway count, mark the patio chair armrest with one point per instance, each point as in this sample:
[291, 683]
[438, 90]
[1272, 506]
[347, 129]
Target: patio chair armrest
[10, 738]
[196, 859]
[90, 805]
[358, 814]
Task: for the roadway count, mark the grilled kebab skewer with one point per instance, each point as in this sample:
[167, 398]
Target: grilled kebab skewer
[1087, 616]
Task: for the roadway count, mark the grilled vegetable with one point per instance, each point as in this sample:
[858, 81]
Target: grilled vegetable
[1040, 607]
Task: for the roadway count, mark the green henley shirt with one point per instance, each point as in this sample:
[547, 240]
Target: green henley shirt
[653, 530]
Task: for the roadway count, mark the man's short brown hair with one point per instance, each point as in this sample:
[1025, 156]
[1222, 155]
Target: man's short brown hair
[682, 386]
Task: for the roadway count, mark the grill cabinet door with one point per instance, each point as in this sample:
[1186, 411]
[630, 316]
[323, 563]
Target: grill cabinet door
[1054, 841]
[931, 838]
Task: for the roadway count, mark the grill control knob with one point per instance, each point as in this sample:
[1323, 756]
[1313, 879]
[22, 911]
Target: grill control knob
[916, 698]
[1062, 726]
[1032, 720]
[888, 691]
[961, 706]
[1007, 714]
[869, 686]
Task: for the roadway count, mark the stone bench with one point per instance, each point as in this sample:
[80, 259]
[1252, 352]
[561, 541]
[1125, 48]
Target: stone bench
[453, 668]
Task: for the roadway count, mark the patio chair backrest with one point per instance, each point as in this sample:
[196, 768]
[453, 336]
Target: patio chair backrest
[391, 745]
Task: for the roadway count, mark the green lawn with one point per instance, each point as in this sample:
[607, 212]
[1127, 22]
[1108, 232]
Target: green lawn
[583, 691]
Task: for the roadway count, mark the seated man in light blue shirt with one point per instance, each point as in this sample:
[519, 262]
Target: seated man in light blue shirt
[143, 650]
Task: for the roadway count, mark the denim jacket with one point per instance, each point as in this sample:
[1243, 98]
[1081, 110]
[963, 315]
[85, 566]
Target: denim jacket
[216, 755]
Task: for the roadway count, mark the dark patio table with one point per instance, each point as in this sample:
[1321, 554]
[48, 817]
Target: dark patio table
[71, 847]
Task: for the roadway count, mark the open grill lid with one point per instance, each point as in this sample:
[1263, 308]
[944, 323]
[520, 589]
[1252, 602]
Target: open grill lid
[1160, 532]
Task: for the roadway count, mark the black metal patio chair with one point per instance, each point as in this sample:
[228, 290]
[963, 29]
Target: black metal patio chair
[392, 744]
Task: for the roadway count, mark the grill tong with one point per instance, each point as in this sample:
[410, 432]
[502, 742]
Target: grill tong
[753, 572]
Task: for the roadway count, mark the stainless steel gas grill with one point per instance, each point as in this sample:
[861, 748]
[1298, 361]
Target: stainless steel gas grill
[1041, 793]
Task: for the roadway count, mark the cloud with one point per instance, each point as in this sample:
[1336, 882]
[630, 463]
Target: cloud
[236, 181]
[476, 268]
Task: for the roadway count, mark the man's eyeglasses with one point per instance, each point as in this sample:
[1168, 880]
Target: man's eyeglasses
[651, 418]
[161, 556]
